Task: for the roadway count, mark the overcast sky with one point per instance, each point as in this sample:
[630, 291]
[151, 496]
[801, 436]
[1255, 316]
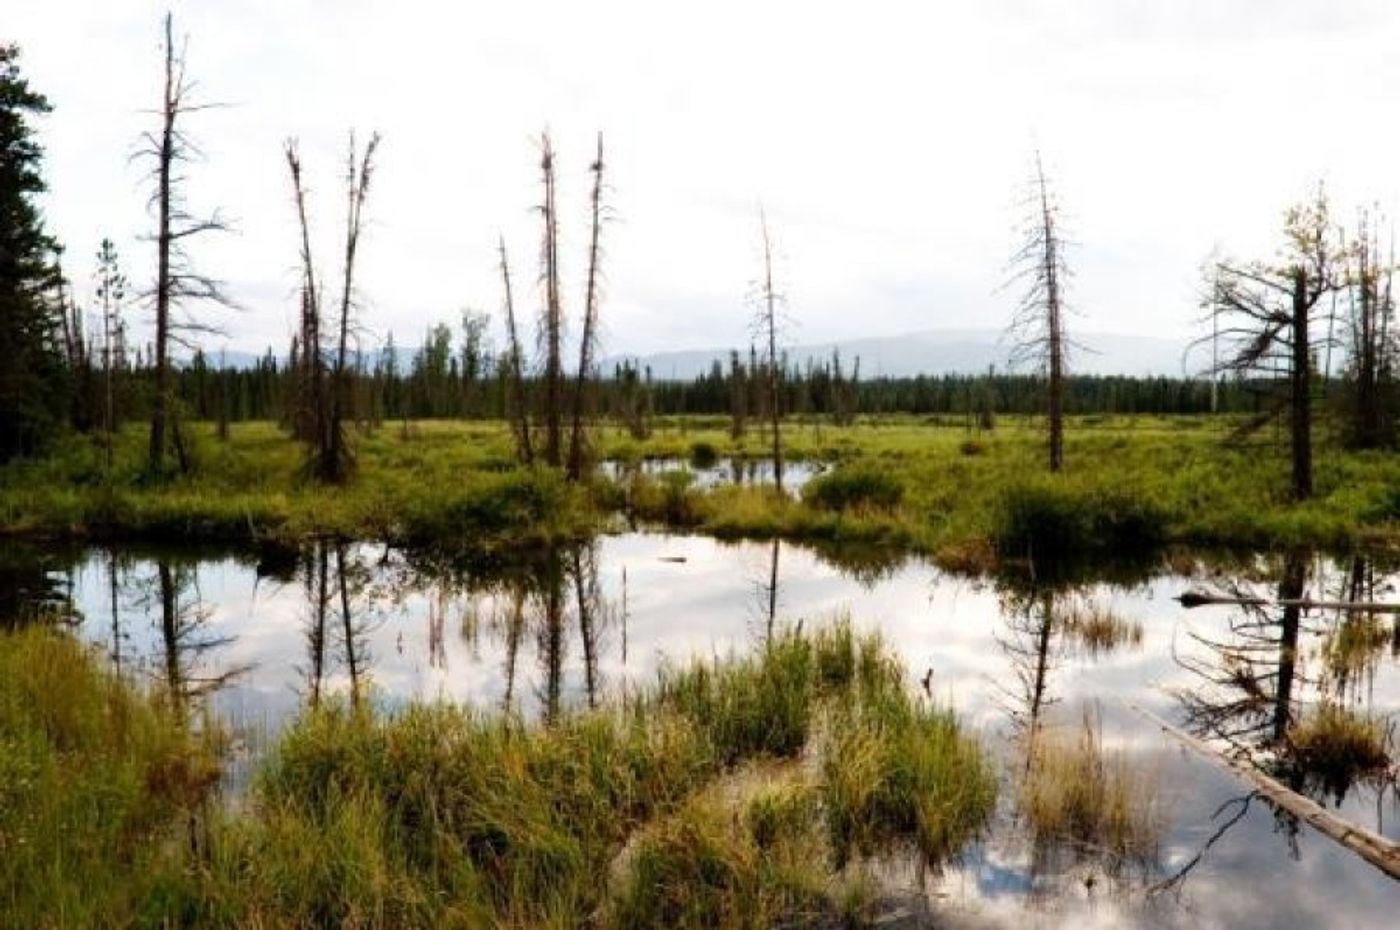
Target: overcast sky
[887, 141]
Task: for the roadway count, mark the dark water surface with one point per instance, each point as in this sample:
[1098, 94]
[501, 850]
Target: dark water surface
[256, 641]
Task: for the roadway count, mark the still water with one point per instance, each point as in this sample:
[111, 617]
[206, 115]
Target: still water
[255, 642]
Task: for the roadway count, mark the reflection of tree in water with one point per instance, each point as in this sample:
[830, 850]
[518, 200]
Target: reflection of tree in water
[32, 586]
[546, 601]
[336, 580]
[1088, 809]
[1262, 689]
[185, 669]
[1258, 690]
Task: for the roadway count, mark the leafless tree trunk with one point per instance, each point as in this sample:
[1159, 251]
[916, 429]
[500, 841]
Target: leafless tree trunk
[1038, 327]
[307, 420]
[518, 405]
[339, 460]
[588, 341]
[552, 314]
[175, 279]
[768, 322]
[332, 460]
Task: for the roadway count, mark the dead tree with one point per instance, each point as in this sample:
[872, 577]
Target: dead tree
[176, 280]
[589, 338]
[517, 401]
[111, 293]
[767, 323]
[551, 324]
[338, 460]
[1269, 311]
[1370, 417]
[326, 389]
[1038, 326]
[309, 367]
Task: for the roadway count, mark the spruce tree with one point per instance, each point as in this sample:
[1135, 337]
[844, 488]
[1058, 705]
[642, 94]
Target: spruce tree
[33, 385]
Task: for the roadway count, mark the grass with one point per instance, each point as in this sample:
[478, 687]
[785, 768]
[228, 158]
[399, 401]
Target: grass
[1131, 483]
[439, 816]
[1333, 748]
[1097, 802]
[1098, 630]
[98, 785]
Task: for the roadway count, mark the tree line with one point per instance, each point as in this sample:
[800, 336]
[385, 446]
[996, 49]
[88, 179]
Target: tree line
[1273, 328]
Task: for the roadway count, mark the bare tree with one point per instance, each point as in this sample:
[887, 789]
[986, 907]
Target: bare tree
[326, 404]
[307, 419]
[111, 293]
[517, 402]
[767, 323]
[1370, 417]
[1269, 311]
[551, 324]
[176, 279]
[338, 459]
[1038, 326]
[589, 338]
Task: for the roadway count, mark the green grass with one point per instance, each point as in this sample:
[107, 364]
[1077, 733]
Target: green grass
[687, 805]
[1129, 483]
[97, 788]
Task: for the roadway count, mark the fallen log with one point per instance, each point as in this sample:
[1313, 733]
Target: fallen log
[1379, 851]
[1193, 598]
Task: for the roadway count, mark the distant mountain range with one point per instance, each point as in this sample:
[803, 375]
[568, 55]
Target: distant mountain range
[928, 352]
[939, 352]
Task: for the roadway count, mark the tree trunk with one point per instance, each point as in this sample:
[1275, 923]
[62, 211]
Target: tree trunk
[160, 407]
[1301, 391]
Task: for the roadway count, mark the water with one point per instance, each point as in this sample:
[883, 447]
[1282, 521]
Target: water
[720, 471]
[576, 625]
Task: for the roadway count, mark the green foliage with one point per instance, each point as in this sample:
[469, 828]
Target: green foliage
[34, 387]
[749, 709]
[1048, 519]
[703, 454]
[854, 487]
[98, 786]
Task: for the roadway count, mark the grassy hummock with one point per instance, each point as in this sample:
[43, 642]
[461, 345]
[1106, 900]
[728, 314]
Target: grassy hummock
[736, 793]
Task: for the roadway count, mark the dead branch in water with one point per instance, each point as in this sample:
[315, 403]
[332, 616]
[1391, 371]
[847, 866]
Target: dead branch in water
[1382, 853]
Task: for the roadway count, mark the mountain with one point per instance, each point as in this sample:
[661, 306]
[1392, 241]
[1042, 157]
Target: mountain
[939, 352]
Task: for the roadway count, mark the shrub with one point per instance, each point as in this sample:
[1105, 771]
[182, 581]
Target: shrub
[854, 487]
[703, 455]
[1048, 519]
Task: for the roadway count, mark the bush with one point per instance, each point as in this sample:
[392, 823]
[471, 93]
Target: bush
[520, 501]
[703, 455]
[1047, 520]
[854, 487]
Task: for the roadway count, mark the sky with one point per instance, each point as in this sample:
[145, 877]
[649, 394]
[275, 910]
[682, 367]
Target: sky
[889, 144]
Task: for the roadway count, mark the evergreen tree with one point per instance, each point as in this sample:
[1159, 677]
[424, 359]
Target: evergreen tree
[33, 386]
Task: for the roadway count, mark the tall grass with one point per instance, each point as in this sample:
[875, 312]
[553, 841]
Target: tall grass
[439, 816]
[1095, 802]
[100, 789]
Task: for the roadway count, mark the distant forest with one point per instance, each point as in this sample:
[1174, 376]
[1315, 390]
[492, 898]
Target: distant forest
[440, 382]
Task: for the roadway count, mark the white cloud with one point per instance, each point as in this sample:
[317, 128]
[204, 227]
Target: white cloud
[886, 140]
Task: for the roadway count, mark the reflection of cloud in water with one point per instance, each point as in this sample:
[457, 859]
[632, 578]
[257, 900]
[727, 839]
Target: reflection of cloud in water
[705, 606]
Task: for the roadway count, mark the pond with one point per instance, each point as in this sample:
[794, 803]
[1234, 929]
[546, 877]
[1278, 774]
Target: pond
[255, 641]
[707, 472]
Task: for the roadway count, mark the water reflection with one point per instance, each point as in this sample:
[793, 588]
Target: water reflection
[1267, 698]
[1089, 812]
[1021, 659]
